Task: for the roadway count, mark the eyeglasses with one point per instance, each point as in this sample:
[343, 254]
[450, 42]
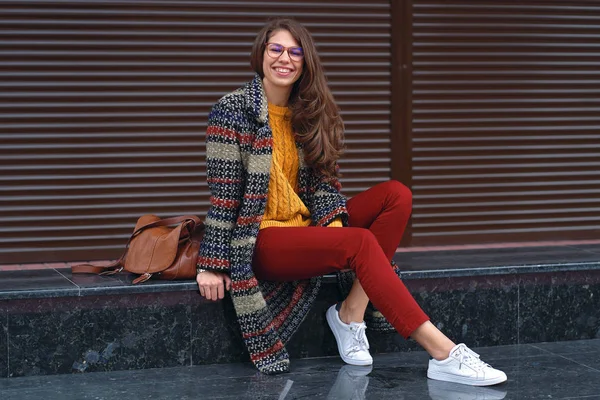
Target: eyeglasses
[275, 50]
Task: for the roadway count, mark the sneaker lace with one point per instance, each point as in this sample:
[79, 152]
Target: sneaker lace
[466, 356]
[359, 338]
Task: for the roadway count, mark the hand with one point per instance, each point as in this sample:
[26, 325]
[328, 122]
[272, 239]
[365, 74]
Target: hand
[213, 284]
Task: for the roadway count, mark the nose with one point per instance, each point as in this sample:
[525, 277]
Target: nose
[285, 57]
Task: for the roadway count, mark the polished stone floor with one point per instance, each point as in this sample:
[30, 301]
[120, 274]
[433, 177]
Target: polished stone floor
[566, 370]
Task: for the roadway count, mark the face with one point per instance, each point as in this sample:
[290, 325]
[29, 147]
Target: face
[282, 71]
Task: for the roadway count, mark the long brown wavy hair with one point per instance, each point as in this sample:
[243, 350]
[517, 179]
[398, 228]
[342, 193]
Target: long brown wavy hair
[316, 117]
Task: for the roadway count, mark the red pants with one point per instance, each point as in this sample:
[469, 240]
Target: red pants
[377, 221]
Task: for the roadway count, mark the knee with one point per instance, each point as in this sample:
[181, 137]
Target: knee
[362, 249]
[397, 191]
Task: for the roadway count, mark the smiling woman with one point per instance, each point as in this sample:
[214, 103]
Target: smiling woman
[284, 55]
[272, 148]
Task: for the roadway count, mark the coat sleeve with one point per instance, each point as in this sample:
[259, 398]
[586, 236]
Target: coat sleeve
[225, 176]
[329, 203]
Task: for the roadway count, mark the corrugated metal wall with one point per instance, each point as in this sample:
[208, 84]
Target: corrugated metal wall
[505, 120]
[103, 108]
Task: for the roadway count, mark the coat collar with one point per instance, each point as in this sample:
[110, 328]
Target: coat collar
[256, 100]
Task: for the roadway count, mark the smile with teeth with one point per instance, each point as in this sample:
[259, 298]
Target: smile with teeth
[283, 70]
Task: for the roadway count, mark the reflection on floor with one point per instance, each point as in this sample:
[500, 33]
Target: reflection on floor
[565, 370]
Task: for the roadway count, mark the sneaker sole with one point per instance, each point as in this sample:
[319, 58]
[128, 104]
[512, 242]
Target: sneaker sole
[329, 317]
[440, 376]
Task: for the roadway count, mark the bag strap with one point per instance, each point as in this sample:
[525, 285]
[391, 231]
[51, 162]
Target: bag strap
[117, 266]
[109, 269]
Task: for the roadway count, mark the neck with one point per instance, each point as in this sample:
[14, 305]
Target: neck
[276, 95]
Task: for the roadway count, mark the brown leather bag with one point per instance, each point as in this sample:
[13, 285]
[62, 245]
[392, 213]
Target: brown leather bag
[164, 248]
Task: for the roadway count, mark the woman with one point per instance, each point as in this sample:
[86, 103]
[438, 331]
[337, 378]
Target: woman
[282, 134]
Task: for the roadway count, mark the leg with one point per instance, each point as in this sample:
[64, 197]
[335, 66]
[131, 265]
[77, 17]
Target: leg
[427, 335]
[384, 210]
[433, 340]
[354, 306]
[299, 253]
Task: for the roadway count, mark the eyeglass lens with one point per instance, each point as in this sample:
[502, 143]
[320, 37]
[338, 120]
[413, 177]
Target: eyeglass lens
[276, 50]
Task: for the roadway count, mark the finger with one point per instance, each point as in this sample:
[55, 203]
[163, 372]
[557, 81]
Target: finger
[220, 290]
[207, 292]
[200, 288]
[213, 293]
[228, 282]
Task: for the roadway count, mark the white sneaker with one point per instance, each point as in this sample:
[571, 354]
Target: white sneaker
[351, 339]
[464, 366]
[439, 390]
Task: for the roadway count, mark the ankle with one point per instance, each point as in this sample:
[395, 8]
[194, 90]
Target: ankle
[433, 341]
[439, 355]
[442, 351]
[349, 314]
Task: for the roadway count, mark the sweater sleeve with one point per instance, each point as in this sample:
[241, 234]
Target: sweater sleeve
[224, 171]
[329, 204]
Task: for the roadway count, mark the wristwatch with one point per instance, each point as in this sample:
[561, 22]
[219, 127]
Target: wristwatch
[200, 270]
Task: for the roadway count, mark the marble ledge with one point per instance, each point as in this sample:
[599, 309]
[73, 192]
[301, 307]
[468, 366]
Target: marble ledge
[68, 286]
[158, 287]
[38, 294]
[501, 270]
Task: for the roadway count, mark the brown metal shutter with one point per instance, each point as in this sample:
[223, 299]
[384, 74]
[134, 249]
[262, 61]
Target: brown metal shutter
[505, 120]
[103, 108]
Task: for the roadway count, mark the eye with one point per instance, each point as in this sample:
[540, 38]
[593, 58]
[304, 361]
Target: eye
[296, 51]
[276, 48]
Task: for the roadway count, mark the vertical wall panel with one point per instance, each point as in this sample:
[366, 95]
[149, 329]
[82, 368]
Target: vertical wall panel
[505, 120]
[103, 108]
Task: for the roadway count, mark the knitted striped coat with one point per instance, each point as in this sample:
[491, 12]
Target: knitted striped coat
[239, 145]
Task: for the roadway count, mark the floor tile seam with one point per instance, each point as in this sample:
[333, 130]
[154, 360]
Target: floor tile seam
[577, 362]
[519, 283]
[76, 285]
[190, 319]
[572, 353]
[66, 377]
[595, 252]
[568, 359]
[7, 347]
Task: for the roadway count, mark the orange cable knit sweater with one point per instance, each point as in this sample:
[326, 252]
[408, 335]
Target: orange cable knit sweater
[284, 206]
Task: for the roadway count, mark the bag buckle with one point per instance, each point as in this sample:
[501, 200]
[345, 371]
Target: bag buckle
[142, 278]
